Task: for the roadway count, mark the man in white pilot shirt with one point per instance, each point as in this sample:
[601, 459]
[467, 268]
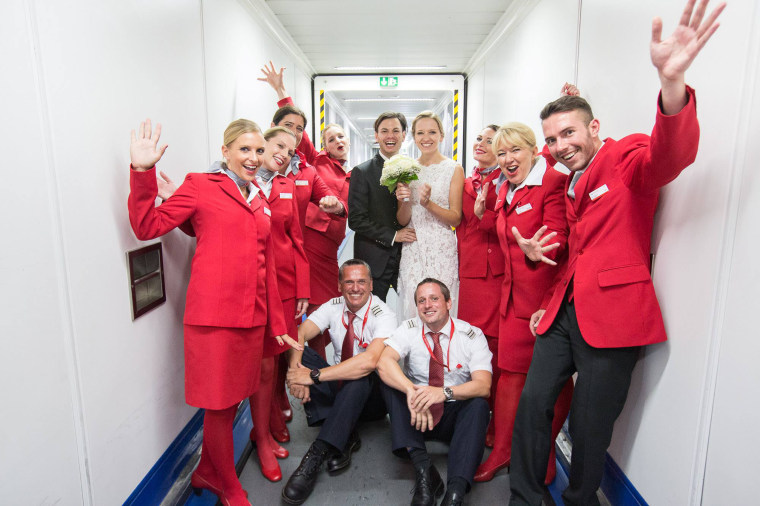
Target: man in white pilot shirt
[442, 391]
[338, 396]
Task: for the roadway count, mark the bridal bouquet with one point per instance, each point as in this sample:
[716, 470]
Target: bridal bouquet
[399, 169]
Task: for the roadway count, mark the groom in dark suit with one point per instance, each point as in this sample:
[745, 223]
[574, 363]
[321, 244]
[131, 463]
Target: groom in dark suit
[372, 208]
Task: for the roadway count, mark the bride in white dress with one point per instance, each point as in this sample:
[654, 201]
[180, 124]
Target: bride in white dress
[430, 205]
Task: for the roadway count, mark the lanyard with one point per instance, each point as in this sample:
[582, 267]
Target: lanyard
[364, 322]
[448, 351]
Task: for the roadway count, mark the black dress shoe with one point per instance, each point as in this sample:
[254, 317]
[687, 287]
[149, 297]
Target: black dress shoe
[341, 460]
[427, 488]
[452, 499]
[302, 481]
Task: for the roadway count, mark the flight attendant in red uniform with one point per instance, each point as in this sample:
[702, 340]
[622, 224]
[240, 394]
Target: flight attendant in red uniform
[481, 262]
[292, 280]
[329, 179]
[233, 304]
[530, 196]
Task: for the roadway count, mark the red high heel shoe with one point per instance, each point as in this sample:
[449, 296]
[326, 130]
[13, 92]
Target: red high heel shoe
[235, 499]
[281, 435]
[199, 483]
[273, 473]
[277, 450]
[486, 473]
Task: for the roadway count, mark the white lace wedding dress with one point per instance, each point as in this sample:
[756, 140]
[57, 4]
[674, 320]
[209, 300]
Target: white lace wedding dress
[434, 254]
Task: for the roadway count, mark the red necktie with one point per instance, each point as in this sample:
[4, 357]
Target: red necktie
[435, 375]
[347, 351]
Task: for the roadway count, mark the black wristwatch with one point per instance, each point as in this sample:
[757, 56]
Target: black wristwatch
[314, 374]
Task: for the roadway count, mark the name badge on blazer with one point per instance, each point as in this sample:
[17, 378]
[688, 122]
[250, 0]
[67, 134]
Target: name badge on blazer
[267, 212]
[287, 195]
[302, 182]
[599, 192]
[523, 209]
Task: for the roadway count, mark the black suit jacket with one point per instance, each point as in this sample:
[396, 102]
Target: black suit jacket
[372, 216]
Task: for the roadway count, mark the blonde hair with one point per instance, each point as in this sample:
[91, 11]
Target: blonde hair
[427, 114]
[328, 127]
[514, 133]
[272, 132]
[238, 128]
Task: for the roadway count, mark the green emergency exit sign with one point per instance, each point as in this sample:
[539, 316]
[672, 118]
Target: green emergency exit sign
[388, 81]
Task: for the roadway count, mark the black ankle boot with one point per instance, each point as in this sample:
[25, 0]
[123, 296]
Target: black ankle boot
[427, 488]
[302, 481]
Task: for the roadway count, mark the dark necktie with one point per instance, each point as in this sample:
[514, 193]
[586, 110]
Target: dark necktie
[347, 351]
[435, 375]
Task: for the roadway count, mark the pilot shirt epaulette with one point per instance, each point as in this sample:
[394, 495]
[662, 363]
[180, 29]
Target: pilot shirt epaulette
[337, 300]
[410, 323]
[376, 310]
[467, 329]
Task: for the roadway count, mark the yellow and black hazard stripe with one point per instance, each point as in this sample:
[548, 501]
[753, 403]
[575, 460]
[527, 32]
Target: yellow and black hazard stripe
[456, 125]
[321, 115]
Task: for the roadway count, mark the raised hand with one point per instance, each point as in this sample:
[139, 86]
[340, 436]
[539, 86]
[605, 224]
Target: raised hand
[535, 247]
[423, 192]
[331, 205]
[143, 148]
[480, 201]
[274, 79]
[569, 90]
[286, 339]
[166, 186]
[674, 55]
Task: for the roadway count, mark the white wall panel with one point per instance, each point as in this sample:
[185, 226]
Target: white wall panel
[731, 461]
[147, 61]
[659, 434]
[40, 463]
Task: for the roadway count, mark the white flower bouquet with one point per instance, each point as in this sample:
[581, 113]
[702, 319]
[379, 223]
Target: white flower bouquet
[399, 169]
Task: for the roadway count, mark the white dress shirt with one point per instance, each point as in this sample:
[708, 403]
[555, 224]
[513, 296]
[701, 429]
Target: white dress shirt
[380, 323]
[466, 352]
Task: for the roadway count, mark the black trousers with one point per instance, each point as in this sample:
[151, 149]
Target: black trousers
[463, 425]
[339, 407]
[382, 281]
[604, 375]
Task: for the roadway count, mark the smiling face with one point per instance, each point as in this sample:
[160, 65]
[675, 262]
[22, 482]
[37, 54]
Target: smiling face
[294, 123]
[427, 135]
[515, 161]
[481, 150]
[280, 149]
[571, 140]
[356, 286]
[390, 136]
[335, 142]
[245, 154]
[432, 306]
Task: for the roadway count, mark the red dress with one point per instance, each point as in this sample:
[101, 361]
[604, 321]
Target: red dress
[232, 298]
[525, 282]
[481, 262]
[290, 258]
[325, 232]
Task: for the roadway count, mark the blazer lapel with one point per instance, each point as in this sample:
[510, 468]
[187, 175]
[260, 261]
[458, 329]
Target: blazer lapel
[229, 187]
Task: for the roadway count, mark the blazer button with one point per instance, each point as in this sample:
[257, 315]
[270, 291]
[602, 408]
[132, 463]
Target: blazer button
[579, 219]
[580, 251]
[489, 250]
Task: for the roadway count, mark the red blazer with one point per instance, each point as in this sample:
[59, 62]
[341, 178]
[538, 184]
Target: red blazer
[532, 207]
[332, 173]
[477, 241]
[290, 258]
[233, 282]
[309, 190]
[611, 228]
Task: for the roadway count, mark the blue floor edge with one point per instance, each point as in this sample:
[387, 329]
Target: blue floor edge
[616, 486]
[164, 473]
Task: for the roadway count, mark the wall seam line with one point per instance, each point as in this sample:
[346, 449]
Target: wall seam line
[204, 83]
[59, 248]
[738, 165]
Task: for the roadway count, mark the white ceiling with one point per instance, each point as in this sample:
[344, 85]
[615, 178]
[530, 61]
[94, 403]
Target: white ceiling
[337, 33]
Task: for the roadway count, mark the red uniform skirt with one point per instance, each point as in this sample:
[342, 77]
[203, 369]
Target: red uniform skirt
[479, 302]
[222, 364]
[515, 342]
[271, 348]
[322, 253]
